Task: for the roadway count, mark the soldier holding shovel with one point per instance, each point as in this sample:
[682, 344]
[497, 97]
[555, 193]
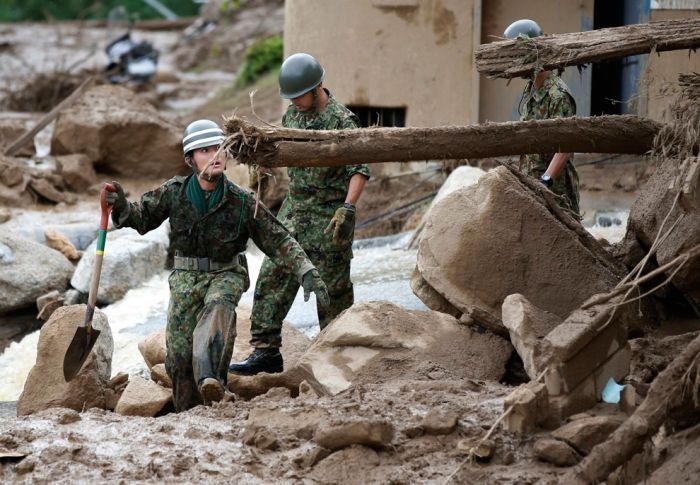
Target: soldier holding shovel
[211, 219]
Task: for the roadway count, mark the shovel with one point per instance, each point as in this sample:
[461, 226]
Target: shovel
[85, 335]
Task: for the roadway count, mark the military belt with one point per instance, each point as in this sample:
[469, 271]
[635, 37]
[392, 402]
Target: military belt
[203, 264]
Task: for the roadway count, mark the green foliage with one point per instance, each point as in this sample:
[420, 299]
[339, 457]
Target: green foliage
[261, 57]
[41, 10]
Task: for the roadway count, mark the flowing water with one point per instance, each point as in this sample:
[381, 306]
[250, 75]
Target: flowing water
[381, 269]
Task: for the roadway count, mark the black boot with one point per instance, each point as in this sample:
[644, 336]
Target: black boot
[260, 360]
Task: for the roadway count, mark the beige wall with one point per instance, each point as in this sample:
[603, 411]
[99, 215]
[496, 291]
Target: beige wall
[416, 54]
[663, 69]
[499, 100]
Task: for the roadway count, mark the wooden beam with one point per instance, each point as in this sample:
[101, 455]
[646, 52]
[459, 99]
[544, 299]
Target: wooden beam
[520, 57]
[285, 147]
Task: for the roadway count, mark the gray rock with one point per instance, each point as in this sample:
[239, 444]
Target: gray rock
[130, 259]
[29, 270]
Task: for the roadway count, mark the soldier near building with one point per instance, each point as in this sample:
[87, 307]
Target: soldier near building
[545, 96]
[211, 219]
[319, 211]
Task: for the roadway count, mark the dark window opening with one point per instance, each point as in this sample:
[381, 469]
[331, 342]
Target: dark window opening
[606, 83]
[374, 116]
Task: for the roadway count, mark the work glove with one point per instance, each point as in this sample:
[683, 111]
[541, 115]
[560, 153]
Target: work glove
[117, 199]
[342, 224]
[311, 281]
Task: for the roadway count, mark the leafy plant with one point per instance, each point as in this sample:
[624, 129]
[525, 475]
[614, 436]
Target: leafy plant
[261, 57]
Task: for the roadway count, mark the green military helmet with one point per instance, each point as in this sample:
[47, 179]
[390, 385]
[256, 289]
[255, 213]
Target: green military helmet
[526, 27]
[299, 74]
[201, 133]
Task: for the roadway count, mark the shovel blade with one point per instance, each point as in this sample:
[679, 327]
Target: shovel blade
[78, 351]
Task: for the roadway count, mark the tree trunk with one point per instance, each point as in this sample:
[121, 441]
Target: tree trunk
[666, 392]
[286, 147]
[520, 57]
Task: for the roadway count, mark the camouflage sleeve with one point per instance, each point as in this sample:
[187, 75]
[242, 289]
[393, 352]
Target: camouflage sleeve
[349, 123]
[149, 212]
[562, 106]
[274, 240]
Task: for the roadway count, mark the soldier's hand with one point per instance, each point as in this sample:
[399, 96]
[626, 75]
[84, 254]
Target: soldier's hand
[342, 225]
[117, 199]
[311, 281]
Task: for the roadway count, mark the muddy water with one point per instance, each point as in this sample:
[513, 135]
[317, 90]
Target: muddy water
[381, 269]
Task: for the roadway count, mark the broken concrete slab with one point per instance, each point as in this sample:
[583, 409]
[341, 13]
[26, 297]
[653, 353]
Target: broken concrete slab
[530, 408]
[528, 325]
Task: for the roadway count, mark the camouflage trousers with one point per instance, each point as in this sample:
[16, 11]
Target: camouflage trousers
[566, 185]
[277, 287]
[201, 330]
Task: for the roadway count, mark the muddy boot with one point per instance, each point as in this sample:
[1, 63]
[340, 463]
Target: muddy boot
[261, 360]
[211, 390]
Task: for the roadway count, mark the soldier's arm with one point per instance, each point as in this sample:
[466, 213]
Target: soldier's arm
[149, 212]
[274, 240]
[359, 174]
[560, 107]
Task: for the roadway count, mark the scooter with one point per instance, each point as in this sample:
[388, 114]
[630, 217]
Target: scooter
[130, 61]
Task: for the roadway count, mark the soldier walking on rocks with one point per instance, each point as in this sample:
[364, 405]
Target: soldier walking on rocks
[211, 219]
[545, 96]
[319, 211]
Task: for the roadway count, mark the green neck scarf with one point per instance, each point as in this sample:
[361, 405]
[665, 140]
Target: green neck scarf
[195, 195]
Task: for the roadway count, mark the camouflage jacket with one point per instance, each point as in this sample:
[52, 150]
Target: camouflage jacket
[321, 186]
[552, 100]
[222, 233]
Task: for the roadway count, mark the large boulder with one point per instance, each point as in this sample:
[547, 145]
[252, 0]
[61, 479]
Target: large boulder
[45, 386]
[487, 241]
[129, 260]
[120, 133]
[655, 205]
[29, 270]
[77, 171]
[380, 342]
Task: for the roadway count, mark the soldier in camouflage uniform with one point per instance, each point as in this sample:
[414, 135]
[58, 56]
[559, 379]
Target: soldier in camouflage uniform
[319, 211]
[547, 96]
[211, 219]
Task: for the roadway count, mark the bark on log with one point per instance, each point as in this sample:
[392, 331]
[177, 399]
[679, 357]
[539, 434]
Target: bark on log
[520, 57]
[285, 147]
[665, 393]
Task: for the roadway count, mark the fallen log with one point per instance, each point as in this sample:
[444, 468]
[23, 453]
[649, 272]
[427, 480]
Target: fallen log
[520, 57]
[285, 147]
[668, 391]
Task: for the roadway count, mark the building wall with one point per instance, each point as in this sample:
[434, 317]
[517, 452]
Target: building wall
[499, 99]
[416, 54]
[661, 74]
